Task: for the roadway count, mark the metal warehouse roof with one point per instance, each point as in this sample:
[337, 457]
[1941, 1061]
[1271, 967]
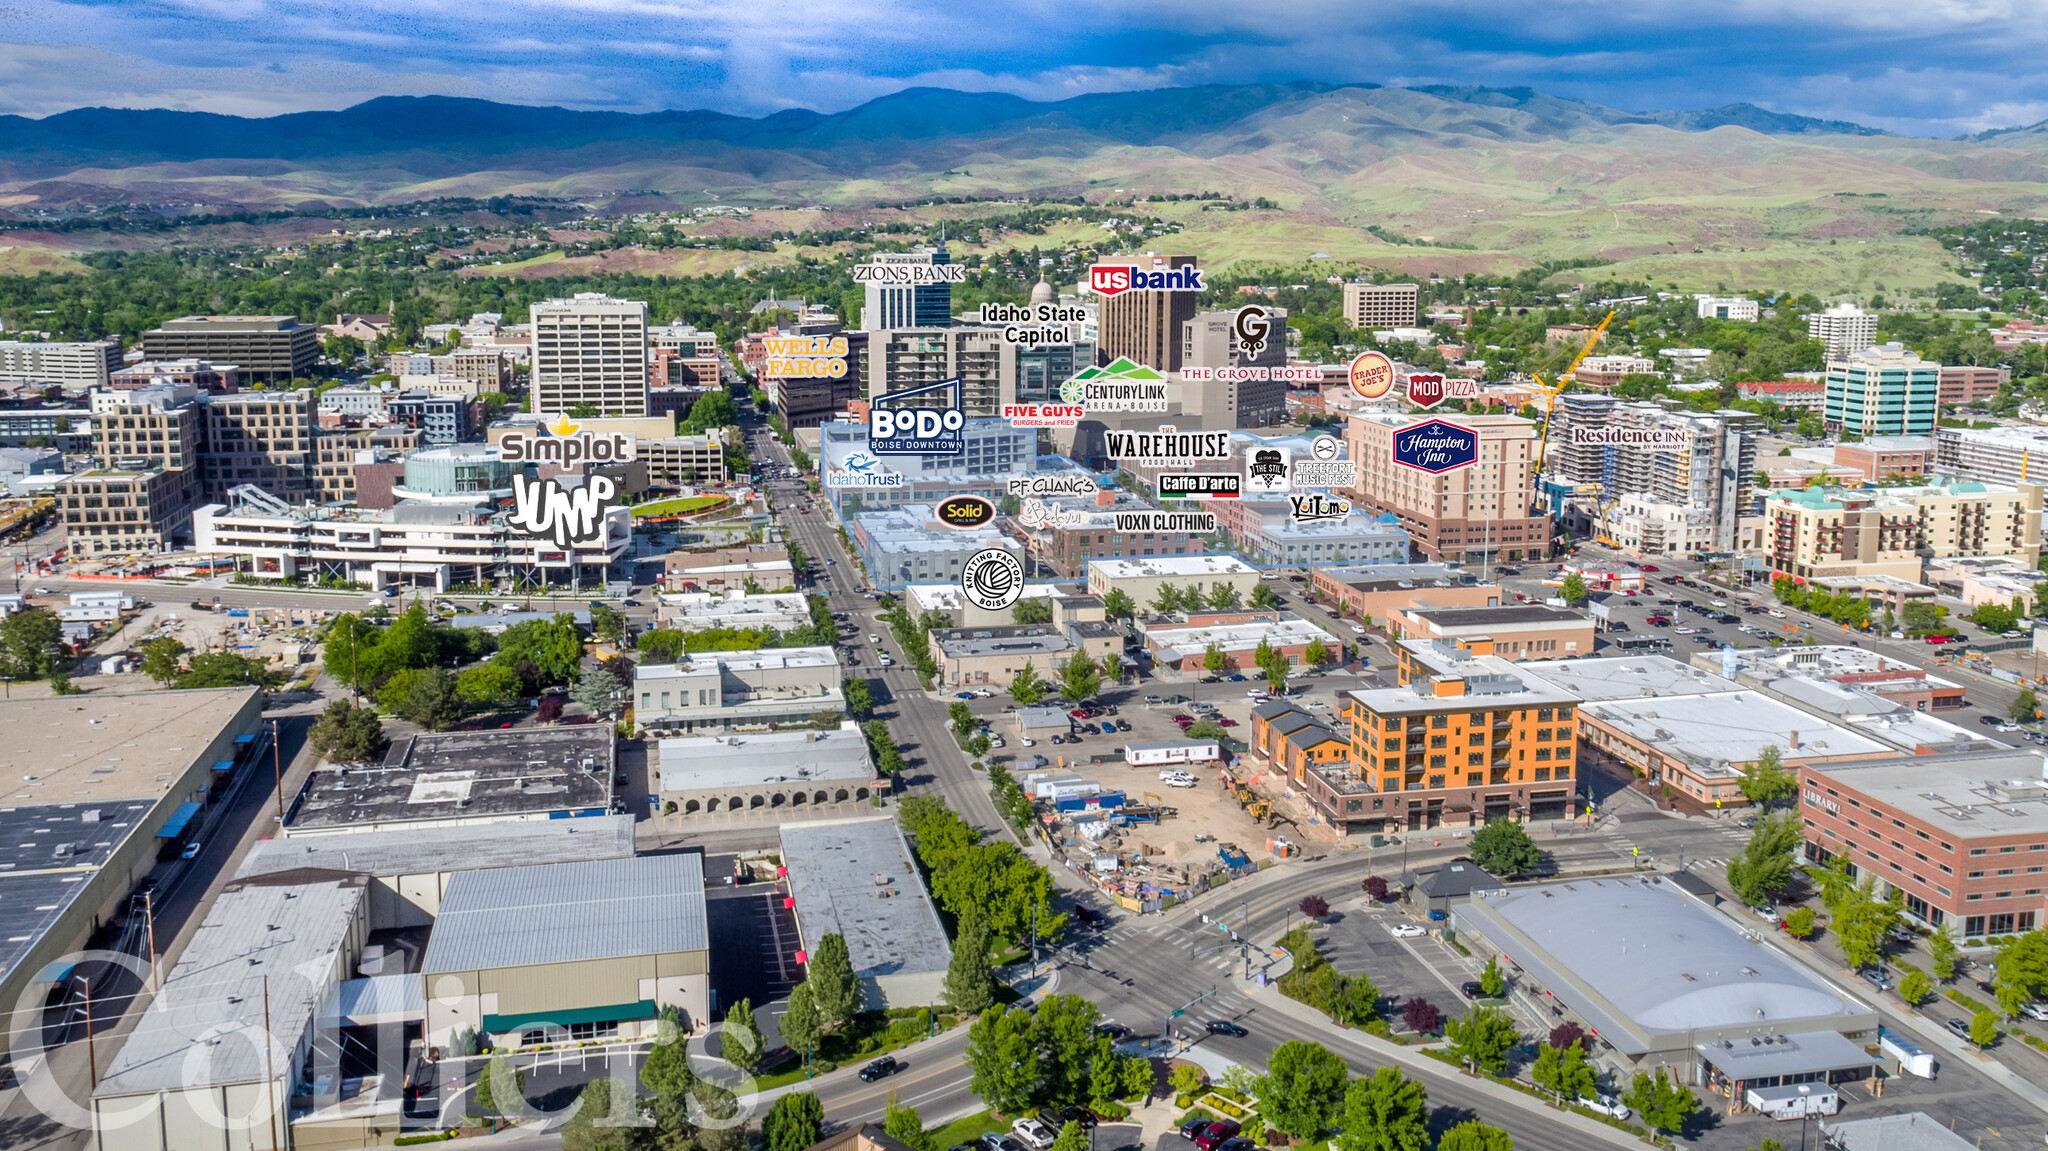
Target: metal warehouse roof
[569, 912]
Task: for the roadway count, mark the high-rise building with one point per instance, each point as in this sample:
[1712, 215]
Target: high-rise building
[1382, 305]
[160, 427]
[1845, 328]
[1995, 455]
[441, 419]
[899, 358]
[1702, 480]
[77, 366]
[265, 348]
[260, 438]
[1146, 326]
[1824, 532]
[1966, 383]
[1210, 341]
[1043, 368]
[1474, 514]
[928, 305]
[1883, 391]
[124, 512]
[590, 349]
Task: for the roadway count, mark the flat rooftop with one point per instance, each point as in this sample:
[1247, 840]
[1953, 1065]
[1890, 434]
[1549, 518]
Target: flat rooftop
[1975, 794]
[273, 930]
[463, 847]
[1647, 964]
[1017, 639]
[1186, 639]
[1216, 565]
[569, 913]
[763, 659]
[1628, 677]
[1713, 731]
[470, 775]
[37, 883]
[699, 763]
[1490, 682]
[89, 748]
[1377, 575]
[855, 877]
[948, 596]
[1506, 614]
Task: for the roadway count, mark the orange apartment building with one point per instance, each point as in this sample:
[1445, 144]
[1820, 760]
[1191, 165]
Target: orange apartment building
[1518, 631]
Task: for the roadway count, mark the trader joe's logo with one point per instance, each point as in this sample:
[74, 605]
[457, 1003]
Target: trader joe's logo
[1436, 446]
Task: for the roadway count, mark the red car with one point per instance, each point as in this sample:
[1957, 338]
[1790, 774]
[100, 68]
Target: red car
[1218, 1131]
[1079, 713]
[1648, 567]
[1226, 721]
[1941, 639]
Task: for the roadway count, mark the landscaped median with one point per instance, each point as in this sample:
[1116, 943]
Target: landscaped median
[679, 508]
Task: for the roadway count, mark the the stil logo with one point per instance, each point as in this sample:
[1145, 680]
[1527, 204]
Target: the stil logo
[1268, 470]
[992, 579]
[1250, 329]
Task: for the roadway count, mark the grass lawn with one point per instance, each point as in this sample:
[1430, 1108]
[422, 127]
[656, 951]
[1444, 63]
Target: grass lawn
[965, 1130]
[682, 505]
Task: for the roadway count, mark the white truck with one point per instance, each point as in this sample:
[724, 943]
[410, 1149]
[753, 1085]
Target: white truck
[1910, 1056]
[1796, 1101]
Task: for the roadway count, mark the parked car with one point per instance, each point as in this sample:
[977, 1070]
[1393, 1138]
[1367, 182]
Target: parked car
[1032, 1133]
[1073, 1114]
[1408, 931]
[1177, 778]
[191, 851]
[1774, 613]
[1226, 721]
[1123, 725]
[1606, 1105]
[1875, 976]
[1194, 1127]
[1959, 1026]
[1226, 1027]
[1648, 567]
[881, 1068]
[963, 695]
[1216, 1133]
[997, 1141]
[1234, 679]
[1471, 989]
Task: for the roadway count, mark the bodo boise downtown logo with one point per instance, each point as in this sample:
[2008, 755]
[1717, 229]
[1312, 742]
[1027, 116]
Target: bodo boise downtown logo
[1436, 446]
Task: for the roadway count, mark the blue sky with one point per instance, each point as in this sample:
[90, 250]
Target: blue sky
[1930, 67]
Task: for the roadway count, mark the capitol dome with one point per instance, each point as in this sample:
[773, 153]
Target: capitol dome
[1041, 292]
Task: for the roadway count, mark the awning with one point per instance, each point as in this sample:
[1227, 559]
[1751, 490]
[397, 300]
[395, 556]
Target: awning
[175, 826]
[1774, 1057]
[644, 1009]
[249, 738]
[224, 765]
[57, 971]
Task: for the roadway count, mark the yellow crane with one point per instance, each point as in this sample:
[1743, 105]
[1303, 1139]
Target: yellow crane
[1551, 390]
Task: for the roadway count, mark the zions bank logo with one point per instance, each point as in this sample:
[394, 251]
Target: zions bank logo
[1116, 279]
[920, 421]
[573, 517]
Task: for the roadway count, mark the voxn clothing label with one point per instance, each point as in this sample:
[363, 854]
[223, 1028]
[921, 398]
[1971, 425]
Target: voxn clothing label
[921, 421]
[1266, 470]
[1198, 523]
[572, 517]
[1436, 446]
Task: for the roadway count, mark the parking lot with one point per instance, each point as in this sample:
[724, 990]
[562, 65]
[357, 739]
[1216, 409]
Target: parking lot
[1358, 938]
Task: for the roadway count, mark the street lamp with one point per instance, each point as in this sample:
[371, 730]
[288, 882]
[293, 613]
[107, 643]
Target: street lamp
[1805, 1092]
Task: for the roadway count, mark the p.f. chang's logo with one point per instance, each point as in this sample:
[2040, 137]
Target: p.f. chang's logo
[565, 444]
[573, 517]
[965, 512]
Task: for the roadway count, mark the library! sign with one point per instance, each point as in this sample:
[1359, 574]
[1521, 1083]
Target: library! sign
[1436, 446]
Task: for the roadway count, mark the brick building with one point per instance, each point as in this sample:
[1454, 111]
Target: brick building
[1471, 514]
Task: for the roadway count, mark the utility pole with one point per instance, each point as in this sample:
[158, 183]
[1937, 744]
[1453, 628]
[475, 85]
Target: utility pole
[92, 1062]
[149, 921]
[277, 768]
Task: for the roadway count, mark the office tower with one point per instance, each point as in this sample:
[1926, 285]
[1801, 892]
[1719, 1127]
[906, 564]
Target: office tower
[1883, 391]
[1146, 326]
[260, 438]
[890, 305]
[1728, 308]
[986, 365]
[590, 349]
[77, 366]
[1382, 305]
[265, 348]
[1845, 328]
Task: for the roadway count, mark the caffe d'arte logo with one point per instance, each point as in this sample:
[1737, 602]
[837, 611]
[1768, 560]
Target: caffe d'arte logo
[1436, 446]
[992, 579]
[565, 447]
[573, 517]
[1656, 439]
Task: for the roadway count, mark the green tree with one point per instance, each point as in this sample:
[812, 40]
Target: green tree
[1385, 1111]
[741, 1043]
[1003, 1060]
[970, 985]
[1071, 1138]
[28, 643]
[607, 623]
[1915, 986]
[1276, 674]
[2022, 975]
[1764, 867]
[163, 659]
[1316, 655]
[1801, 922]
[225, 669]
[1063, 1030]
[859, 699]
[961, 718]
[1474, 1135]
[834, 987]
[553, 646]
[1766, 781]
[1573, 590]
[1263, 598]
[430, 700]
[1984, 1028]
[906, 1126]
[1503, 847]
[1481, 1039]
[500, 1087]
[794, 1123]
[596, 1126]
[1564, 1071]
[1080, 679]
[1491, 982]
[1185, 1078]
[488, 685]
[1213, 659]
[1117, 604]
[1113, 667]
[1862, 926]
[1663, 1104]
[1166, 600]
[1224, 597]
[801, 1024]
[1026, 688]
[345, 734]
[2026, 706]
[1033, 610]
[1302, 1090]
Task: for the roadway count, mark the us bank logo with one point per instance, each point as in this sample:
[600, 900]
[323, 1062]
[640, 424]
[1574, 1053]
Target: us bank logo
[921, 421]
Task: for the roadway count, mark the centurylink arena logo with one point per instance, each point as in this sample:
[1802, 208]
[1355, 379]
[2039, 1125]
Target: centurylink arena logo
[1123, 385]
[992, 579]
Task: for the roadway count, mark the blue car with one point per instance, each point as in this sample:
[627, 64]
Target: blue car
[1234, 679]
[963, 695]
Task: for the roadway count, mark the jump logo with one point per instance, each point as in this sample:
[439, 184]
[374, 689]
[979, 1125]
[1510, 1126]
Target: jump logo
[575, 517]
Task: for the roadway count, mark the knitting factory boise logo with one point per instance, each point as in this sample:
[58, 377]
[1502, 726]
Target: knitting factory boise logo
[572, 516]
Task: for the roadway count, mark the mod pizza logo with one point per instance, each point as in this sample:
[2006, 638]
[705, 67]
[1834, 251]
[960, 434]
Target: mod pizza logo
[1428, 389]
[1436, 446]
[1116, 279]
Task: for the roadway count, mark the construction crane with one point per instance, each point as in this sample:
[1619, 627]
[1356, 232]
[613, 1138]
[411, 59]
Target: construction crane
[1551, 390]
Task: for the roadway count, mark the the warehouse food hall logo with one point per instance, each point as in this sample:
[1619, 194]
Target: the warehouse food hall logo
[565, 444]
[572, 517]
